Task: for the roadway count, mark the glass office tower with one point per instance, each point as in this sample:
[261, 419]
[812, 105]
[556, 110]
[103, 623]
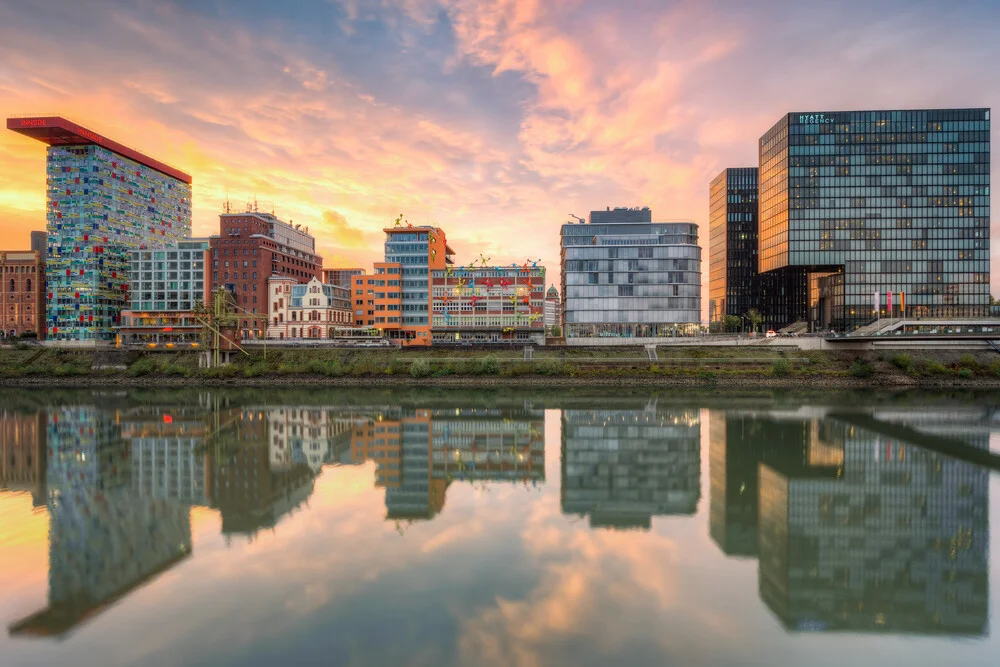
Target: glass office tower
[624, 276]
[858, 202]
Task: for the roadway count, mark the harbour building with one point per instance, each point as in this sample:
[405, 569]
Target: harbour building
[625, 276]
[103, 200]
[855, 204]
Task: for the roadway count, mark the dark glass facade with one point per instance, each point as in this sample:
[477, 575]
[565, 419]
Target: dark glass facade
[733, 282]
[894, 200]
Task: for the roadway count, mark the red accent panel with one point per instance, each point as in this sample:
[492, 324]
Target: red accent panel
[57, 131]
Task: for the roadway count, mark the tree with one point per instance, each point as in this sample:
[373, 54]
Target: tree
[732, 322]
[755, 318]
[555, 332]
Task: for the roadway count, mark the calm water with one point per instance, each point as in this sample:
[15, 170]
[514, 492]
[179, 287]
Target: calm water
[463, 528]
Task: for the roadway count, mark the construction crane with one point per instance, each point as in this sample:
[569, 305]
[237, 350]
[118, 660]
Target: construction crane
[577, 218]
[219, 315]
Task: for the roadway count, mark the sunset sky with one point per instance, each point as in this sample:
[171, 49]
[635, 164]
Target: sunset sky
[493, 119]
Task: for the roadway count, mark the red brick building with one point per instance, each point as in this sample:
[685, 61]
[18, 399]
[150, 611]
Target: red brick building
[22, 294]
[251, 248]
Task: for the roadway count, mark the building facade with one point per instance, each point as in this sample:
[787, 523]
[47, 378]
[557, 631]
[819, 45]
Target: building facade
[251, 248]
[418, 251]
[624, 276]
[341, 277]
[167, 285]
[488, 304]
[311, 310]
[39, 243]
[103, 200]
[378, 300]
[734, 283]
[859, 203]
[22, 294]
[552, 309]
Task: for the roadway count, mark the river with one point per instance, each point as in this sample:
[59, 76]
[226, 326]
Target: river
[499, 528]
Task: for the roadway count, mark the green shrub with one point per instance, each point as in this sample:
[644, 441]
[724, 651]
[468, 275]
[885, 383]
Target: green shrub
[710, 376]
[968, 361]
[965, 373]
[421, 368]
[395, 367]
[862, 368]
[781, 368]
[550, 367]
[219, 371]
[931, 367]
[487, 366]
[903, 362]
[255, 370]
[289, 368]
[144, 366]
[175, 370]
[518, 369]
[995, 368]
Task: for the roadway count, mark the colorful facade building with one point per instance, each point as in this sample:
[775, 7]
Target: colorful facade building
[167, 286]
[312, 310]
[488, 304]
[251, 248]
[103, 200]
[22, 294]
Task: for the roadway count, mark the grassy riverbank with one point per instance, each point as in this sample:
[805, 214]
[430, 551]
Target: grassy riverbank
[677, 366]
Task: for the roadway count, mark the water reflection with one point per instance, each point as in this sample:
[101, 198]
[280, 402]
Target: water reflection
[869, 517]
[855, 529]
[621, 467]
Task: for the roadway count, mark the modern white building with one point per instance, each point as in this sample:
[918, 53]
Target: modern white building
[310, 310]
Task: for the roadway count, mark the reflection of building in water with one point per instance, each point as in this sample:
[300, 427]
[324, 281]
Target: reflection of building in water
[893, 539]
[167, 454]
[104, 539]
[737, 445]
[418, 453]
[306, 434]
[621, 467]
[241, 483]
[22, 453]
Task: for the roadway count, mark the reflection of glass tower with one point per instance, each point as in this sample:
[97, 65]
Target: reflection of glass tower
[897, 542]
[104, 538]
[737, 445]
[621, 467]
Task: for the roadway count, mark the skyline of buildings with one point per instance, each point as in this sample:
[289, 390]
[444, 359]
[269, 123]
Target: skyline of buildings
[848, 209]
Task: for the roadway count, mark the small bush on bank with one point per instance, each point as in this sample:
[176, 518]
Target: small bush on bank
[518, 369]
[903, 362]
[255, 370]
[710, 376]
[175, 371]
[931, 367]
[781, 368]
[487, 366]
[549, 367]
[142, 367]
[420, 368]
[219, 371]
[968, 361]
[965, 373]
[862, 368]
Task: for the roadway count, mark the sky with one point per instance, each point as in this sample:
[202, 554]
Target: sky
[492, 119]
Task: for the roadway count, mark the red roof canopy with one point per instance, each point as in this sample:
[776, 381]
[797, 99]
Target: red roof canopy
[57, 131]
